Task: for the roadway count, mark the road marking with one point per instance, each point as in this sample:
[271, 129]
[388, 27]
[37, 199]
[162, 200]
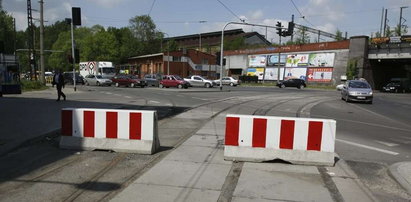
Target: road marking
[127, 96]
[368, 147]
[389, 144]
[199, 98]
[108, 93]
[116, 94]
[154, 101]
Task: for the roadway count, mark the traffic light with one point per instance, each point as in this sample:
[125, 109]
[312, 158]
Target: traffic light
[218, 58]
[70, 59]
[76, 15]
[290, 29]
[279, 26]
[77, 55]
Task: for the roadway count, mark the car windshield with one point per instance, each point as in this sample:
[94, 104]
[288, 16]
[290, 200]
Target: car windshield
[132, 77]
[109, 70]
[393, 84]
[177, 77]
[99, 77]
[358, 85]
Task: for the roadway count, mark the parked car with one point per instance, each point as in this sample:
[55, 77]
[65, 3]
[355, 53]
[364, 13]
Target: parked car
[299, 83]
[356, 90]
[68, 78]
[153, 79]
[339, 87]
[227, 81]
[97, 80]
[200, 81]
[128, 80]
[173, 81]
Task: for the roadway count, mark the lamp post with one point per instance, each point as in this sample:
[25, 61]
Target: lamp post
[168, 54]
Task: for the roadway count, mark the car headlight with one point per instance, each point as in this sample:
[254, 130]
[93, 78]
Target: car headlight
[370, 93]
[352, 93]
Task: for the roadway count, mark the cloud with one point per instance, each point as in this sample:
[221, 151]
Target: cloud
[326, 9]
[107, 3]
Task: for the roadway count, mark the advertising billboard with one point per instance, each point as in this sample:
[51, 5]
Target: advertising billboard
[319, 74]
[257, 60]
[299, 73]
[272, 60]
[321, 60]
[272, 74]
[256, 72]
[297, 60]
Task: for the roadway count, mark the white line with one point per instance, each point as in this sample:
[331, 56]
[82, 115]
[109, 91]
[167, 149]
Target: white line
[108, 93]
[127, 96]
[154, 101]
[389, 144]
[368, 147]
[198, 98]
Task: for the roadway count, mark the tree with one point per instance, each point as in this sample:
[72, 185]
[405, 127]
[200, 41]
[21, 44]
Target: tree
[388, 31]
[6, 33]
[399, 30]
[143, 28]
[234, 44]
[339, 36]
[302, 36]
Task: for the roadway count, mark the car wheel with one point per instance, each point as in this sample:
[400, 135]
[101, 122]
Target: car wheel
[207, 85]
[346, 98]
[86, 83]
[97, 83]
[301, 87]
[231, 84]
[117, 85]
[180, 86]
[282, 86]
[160, 86]
[132, 85]
[396, 90]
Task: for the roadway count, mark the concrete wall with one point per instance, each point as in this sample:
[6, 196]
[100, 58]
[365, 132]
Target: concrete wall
[340, 66]
[237, 62]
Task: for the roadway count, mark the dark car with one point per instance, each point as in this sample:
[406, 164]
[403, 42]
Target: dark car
[153, 79]
[173, 81]
[299, 83]
[393, 87]
[68, 78]
[128, 80]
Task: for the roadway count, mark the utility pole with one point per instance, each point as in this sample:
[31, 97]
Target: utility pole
[42, 68]
[385, 23]
[400, 23]
[382, 20]
[32, 55]
[292, 20]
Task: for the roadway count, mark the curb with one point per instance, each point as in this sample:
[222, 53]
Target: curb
[394, 171]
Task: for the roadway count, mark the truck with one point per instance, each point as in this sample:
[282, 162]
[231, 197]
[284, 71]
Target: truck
[103, 68]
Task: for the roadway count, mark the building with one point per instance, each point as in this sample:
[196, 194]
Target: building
[210, 42]
[183, 63]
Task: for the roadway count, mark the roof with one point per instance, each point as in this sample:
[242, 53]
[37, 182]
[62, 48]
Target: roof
[207, 34]
[147, 56]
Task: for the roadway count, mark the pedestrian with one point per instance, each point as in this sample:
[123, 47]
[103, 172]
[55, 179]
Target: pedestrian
[58, 80]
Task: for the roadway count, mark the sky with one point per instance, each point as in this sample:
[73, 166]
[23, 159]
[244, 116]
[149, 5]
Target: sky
[184, 17]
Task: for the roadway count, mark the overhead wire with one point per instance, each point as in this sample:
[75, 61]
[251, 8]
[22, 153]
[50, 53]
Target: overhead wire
[301, 15]
[242, 20]
[152, 5]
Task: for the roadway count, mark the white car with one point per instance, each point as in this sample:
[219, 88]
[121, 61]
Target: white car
[199, 81]
[340, 87]
[227, 81]
[97, 80]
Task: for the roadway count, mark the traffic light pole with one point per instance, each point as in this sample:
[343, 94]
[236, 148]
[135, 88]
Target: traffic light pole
[222, 45]
[72, 55]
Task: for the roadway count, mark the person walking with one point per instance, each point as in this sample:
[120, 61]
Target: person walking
[58, 80]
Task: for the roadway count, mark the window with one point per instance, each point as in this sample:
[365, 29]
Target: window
[197, 78]
[176, 59]
[204, 61]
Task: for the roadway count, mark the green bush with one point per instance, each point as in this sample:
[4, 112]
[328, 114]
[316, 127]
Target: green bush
[32, 85]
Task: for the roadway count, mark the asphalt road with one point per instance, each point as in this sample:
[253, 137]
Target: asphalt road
[369, 137]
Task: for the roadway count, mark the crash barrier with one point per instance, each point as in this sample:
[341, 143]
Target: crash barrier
[133, 131]
[264, 138]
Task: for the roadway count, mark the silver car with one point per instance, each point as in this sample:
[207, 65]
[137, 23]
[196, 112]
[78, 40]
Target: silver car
[356, 90]
[227, 81]
[97, 80]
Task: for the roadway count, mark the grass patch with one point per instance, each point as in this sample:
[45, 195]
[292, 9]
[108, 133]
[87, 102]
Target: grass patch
[323, 87]
[32, 86]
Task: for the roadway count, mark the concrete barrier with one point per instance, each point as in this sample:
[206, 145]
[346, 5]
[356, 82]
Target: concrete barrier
[109, 129]
[264, 138]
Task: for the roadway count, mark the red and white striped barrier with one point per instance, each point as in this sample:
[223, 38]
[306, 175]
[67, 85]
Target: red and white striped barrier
[112, 129]
[264, 138]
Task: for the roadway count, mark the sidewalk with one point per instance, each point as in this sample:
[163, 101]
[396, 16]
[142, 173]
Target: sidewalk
[197, 171]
